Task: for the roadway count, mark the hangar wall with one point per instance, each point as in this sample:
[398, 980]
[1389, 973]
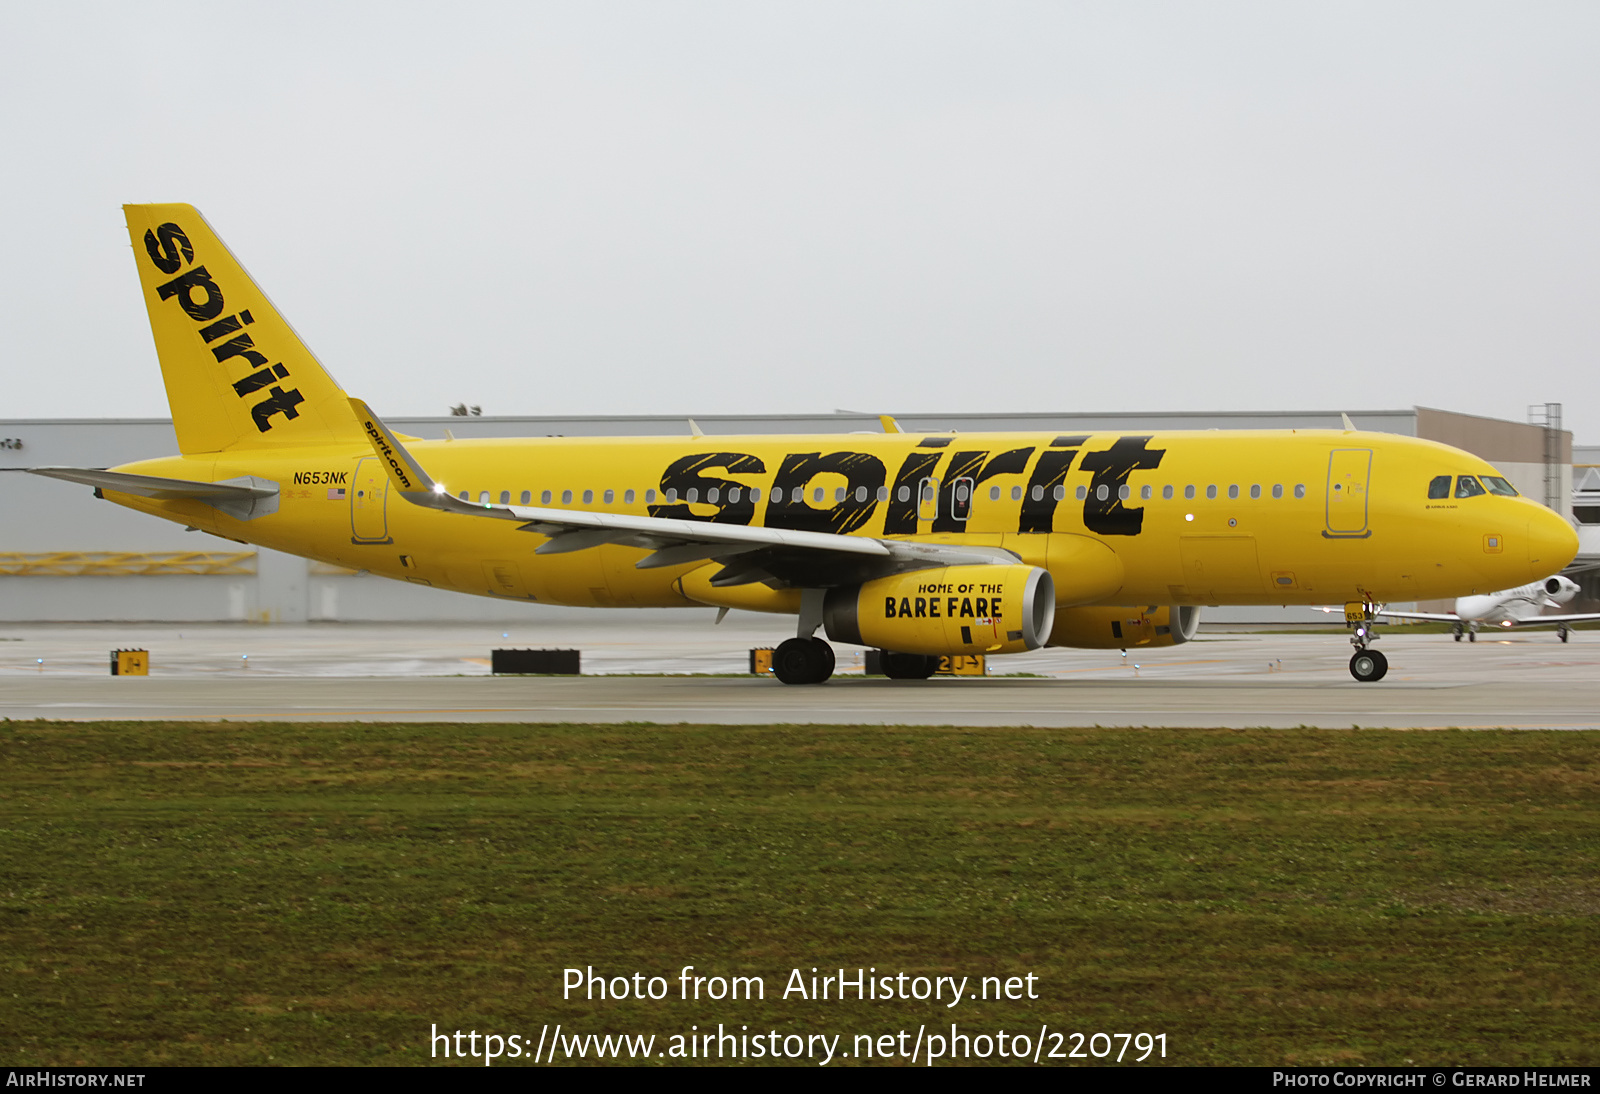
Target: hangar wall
[66, 556]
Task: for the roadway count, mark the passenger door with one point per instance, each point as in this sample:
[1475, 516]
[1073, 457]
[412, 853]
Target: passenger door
[1349, 472]
[369, 494]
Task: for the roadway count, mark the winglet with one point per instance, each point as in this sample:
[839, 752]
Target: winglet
[407, 475]
[889, 424]
[405, 472]
[1349, 426]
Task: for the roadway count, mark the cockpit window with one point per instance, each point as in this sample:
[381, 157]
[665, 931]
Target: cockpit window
[1439, 487]
[1468, 487]
[1500, 486]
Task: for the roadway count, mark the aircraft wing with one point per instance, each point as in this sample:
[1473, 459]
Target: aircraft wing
[1451, 617]
[1429, 617]
[789, 556]
[1544, 620]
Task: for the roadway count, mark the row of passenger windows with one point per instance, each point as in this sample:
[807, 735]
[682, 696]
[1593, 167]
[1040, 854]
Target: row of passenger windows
[735, 494]
[609, 497]
[1468, 486]
[1125, 492]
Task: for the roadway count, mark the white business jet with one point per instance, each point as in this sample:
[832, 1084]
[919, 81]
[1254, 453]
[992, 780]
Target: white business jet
[1519, 607]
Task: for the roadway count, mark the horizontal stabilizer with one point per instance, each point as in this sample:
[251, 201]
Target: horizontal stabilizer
[243, 499]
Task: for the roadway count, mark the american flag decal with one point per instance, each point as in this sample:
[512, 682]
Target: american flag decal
[336, 493]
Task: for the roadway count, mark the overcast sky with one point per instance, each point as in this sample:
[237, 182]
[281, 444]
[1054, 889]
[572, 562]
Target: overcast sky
[766, 207]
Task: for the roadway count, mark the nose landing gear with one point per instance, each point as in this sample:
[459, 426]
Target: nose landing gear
[1366, 665]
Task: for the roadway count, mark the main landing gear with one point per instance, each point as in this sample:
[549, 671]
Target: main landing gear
[1366, 665]
[1561, 630]
[802, 661]
[909, 666]
[805, 659]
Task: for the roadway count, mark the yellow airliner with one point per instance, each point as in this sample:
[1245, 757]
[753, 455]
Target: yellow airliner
[919, 545]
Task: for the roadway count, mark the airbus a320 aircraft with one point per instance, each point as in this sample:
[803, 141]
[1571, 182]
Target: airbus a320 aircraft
[922, 545]
[1519, 607]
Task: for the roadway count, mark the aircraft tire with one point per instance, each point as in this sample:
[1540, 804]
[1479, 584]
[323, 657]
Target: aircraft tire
[1472, 636]
[825, 653]
[1562, 631]
[909, 666]
[1369, 666]
[802, 661]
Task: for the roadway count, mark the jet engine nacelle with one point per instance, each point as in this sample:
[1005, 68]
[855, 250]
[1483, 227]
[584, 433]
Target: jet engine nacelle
[1124, 628]
[955, 609]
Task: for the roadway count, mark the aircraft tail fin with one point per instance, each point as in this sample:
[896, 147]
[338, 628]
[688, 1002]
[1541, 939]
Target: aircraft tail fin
[237, 374]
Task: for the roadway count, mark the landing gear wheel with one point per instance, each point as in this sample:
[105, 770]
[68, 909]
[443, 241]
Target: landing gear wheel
[825, 653]
[1456, 630]
[803, 661]
[1562, 631]
[909, 666]
[1472, 636]
[1368, 666]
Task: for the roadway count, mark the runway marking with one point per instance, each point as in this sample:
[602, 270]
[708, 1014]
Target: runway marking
[1119, 717]
[1129, 668]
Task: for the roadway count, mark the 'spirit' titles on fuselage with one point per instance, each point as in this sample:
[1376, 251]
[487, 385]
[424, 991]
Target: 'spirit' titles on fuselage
[953, 478]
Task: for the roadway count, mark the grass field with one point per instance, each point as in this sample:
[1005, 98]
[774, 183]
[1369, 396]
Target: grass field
[189, 893]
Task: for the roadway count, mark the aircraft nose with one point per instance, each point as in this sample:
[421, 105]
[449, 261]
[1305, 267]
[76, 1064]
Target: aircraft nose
[1552, 542]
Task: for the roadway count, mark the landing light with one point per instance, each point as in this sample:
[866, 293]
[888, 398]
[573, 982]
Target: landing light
[1188, 516]
[438, 488]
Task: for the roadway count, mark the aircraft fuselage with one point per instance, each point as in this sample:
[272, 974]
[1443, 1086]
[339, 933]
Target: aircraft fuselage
[1182, 518]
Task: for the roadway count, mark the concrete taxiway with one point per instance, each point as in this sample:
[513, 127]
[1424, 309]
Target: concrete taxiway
[441, 673]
